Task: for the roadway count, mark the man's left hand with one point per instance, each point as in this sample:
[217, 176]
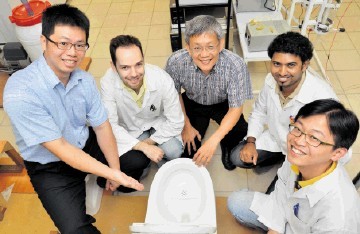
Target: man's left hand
[205, 153]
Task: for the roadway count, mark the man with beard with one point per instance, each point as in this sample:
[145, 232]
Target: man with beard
[143, 107]
[287, 88]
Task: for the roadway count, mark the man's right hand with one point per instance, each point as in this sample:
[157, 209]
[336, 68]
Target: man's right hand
[188, 135]
[249, 154]
[153, 152]
[124, 180]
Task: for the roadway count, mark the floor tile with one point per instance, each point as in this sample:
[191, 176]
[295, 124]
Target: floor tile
[345, 101]
[96, 21]
[115, 20]
[350, 81]
[106, 34]
[141, 32]
[158, 61]
[162, 5]
[97, 9]
[81, 7]
[143, 6]
[351, 24]
[71, 2]
[139, 19]
[352, 167]
[99, 66]
[325, 62]
[159, 32]
[6, 133]
[120, 8]
[257, 81]
[345, 59]
[257, 67]
[101, 50]
[158, 48]
[352, 10]
[161, 18]
[336, 41]
[334, 82]
[93, 34]
[260, 182]
[355, 38]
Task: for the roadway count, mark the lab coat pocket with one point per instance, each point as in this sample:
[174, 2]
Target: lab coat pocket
[78, 112]
[297, 225]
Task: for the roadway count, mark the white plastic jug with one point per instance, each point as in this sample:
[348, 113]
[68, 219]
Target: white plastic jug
[28, 27]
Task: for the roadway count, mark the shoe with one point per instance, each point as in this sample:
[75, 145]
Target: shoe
[225, 158]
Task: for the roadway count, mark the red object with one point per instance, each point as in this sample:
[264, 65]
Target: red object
[21, 18]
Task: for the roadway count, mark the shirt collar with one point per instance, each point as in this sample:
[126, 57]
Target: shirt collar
[320, 185]
[50, 77]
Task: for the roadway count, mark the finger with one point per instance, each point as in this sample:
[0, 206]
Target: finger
[193, 145]
[255, 159]
[188, 147]
[198, 136]
[107, 186]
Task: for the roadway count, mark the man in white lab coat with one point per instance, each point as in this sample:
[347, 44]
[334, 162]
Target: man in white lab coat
[143, 107]
[287, 88]
[314, 193]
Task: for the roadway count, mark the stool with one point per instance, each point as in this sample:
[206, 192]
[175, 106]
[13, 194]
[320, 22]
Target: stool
[6, 147]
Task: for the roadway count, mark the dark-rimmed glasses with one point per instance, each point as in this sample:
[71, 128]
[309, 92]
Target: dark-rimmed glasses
[68, 45]
[310, 139]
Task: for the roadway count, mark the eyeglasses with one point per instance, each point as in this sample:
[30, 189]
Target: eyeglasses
[68, 45]
[209, 49]
[310, 139]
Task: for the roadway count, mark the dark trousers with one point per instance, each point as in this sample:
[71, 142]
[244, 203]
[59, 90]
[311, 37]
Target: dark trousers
[200, 115]
[61, 189]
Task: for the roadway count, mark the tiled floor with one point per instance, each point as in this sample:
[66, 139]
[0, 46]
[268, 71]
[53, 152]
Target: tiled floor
[149, 20]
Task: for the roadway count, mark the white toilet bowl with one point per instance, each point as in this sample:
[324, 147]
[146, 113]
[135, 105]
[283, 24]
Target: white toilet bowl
[181, 200]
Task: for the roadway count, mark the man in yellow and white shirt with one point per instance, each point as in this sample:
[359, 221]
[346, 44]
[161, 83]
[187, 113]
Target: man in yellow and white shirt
[313, 194]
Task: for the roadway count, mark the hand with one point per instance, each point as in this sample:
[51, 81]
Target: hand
[272, 232]
[249, 154]
[205, 153]
[188, 135]
[124, 180]
[154, 153]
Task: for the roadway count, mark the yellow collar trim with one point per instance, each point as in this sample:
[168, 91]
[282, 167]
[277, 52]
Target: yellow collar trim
[305, 183]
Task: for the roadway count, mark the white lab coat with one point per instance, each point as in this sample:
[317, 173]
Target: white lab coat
[160, 110]
[330, 205]
[267, 111]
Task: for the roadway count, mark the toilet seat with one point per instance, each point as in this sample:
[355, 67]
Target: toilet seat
[181, 200]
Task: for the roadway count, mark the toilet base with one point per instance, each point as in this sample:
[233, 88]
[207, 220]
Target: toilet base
[139, 228]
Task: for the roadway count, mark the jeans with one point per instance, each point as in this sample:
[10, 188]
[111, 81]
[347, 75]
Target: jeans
[239, 203]
[172, 148]
[265, 158]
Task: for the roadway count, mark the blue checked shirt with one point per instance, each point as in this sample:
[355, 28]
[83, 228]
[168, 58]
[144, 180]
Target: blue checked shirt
[228, 80]
[41, 109]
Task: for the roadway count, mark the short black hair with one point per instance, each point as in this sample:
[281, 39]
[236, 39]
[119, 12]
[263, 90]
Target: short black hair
[123, 41]
[343, 123]
[64, 14]
[292, 43]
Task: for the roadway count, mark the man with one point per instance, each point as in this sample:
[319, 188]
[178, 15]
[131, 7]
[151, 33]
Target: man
[143, 105]
[216, 83]
[314, 194]
[50, 104]
[287, 88]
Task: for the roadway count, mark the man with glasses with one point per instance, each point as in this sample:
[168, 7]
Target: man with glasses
[216, 83]
[51, 104]
[314, 193]
[143, 107]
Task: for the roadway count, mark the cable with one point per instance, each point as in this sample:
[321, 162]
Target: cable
[332, 42]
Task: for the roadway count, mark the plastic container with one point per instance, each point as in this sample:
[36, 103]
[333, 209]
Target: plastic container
[28, 27]
[93, 195]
